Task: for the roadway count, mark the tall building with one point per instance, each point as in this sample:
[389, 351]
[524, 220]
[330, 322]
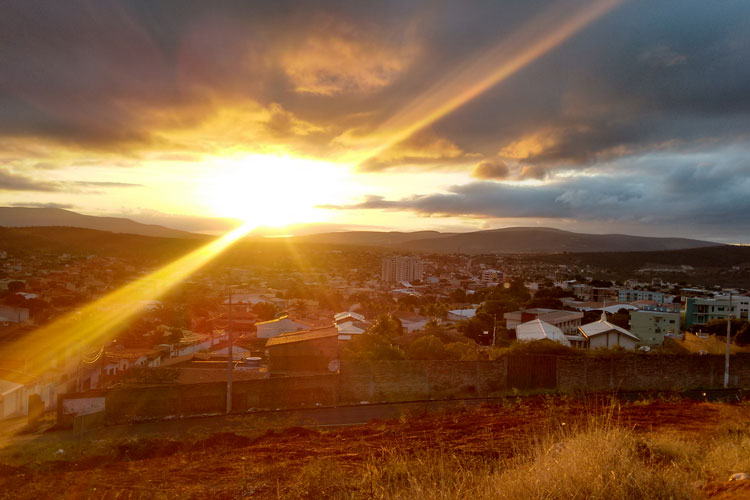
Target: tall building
[700, 311]
[629, 295]
[651, 326]
[400, 268]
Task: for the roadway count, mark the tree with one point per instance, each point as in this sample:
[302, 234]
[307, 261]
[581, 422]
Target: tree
[427, 347]
[265, 310]
[371, 347]
[463, 351]
[458, 295]
[387, 326]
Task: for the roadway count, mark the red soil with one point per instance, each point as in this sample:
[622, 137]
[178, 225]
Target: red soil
[230, 466]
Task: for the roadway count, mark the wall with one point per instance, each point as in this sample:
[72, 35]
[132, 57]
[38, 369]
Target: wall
[376, 381]
[403, 380]
[129, 403]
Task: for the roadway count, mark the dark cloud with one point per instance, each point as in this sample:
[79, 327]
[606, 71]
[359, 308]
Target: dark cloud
[667, 191]
[491, 170]
[10, 181]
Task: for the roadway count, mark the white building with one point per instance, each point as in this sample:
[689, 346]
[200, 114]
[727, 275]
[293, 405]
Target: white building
[603, 334]
[400, 268]
[275, 327]
[538, 330]
[629, 295]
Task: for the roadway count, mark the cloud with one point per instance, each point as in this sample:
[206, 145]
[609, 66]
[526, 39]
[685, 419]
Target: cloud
[424, 150]
[43, 205]
[661, 55]
[15, 182]
[104, 184]
[336, 57]
[664, 190]
[491, 170]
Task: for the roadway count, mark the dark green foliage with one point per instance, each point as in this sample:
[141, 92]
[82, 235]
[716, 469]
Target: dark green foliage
[265, 310]
[371, 347]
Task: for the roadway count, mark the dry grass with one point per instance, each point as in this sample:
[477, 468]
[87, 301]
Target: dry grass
[591, 459]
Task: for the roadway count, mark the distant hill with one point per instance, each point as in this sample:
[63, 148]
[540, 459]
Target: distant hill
[371, 238]
[508, 240]
[34, 217]
[79, 241]
[707, 257]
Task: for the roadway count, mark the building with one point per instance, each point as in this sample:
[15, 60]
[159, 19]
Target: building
[492, 276]
[567, 321]
[400, 268]
[629, 295]
[604, 335]
[601, 294]
[651, 326]
[13, 314]
[539, 330]
[699, 311]
[306, 351]
[275, 327]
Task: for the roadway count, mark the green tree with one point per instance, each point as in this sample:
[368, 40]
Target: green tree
[371, 347]
[427, 347]
[387, 326]
[265, 310]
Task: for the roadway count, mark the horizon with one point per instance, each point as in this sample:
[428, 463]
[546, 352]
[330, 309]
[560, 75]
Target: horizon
[312, 229]
[571, 115]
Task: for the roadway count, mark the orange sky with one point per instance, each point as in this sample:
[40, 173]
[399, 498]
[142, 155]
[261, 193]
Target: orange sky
[454, 117]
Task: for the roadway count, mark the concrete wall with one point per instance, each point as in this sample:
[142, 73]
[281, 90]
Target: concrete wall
[129, 403]
[403, 380]
[376, 381]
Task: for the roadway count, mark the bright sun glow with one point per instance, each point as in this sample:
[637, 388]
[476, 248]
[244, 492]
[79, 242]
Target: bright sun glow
[273, 190]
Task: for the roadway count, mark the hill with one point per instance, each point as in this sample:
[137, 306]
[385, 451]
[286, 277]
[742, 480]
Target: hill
[721, 256]
[79, 241]
[371, 238]
[509, 240]
[32, 217]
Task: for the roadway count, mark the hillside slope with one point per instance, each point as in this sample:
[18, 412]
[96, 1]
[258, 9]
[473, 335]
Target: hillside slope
[33, 217]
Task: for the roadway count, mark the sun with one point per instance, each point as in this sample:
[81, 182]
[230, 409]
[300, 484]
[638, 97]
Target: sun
[269, 190]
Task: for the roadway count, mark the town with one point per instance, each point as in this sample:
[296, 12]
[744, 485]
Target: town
[237, 324]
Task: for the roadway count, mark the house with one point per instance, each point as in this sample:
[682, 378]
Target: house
[13, 314]
[537, 330]
[275, 327]
[567, 321]
[412, 321]
[651, 326]
[459, 314]
[306, 351]
[603, 334]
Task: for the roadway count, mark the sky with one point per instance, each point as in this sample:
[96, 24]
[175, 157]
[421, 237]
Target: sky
[600, 116]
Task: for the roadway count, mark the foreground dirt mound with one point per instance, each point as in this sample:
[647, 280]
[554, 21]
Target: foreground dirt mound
[228, 465]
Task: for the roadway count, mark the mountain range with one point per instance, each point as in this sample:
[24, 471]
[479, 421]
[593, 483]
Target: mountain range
[506, 241]
[509, 240]
[58, 217]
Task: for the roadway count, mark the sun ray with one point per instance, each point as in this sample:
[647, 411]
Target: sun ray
[545, 32]
[98, 321]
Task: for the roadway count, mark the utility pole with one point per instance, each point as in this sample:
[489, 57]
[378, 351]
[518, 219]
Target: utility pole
[729, 335]
[494, 329]
[229, 353]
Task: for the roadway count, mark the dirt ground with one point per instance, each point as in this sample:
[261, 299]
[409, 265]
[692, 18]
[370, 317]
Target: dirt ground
[266, 466]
